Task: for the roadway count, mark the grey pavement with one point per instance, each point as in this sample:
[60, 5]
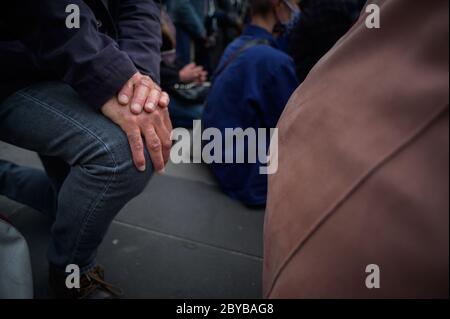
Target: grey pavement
[181, 238]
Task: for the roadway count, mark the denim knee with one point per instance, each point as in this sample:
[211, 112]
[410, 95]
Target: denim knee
[128, 178]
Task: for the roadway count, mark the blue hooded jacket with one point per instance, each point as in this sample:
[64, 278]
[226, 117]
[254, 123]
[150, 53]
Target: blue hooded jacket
[251, 92]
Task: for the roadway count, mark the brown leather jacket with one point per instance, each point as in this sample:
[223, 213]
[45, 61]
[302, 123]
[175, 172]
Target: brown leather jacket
[364, 165]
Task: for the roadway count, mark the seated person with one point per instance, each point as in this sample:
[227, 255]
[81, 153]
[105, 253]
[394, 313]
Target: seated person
[250, 90]
[176, 79]
[83, 98]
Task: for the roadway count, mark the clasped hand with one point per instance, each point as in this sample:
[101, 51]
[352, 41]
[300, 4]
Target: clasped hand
[141, 110]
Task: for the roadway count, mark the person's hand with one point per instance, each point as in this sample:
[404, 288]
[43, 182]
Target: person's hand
[141, 93]
[154, 127]
[193, 73]
[202, 77]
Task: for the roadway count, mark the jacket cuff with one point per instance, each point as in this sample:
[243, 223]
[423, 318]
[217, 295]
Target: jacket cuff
[98, 87]
[153, 67]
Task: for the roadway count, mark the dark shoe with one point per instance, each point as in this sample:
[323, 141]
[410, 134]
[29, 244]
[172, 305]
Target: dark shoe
[92, 285]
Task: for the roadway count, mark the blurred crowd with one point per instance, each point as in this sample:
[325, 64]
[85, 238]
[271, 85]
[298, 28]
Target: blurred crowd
[245, 58]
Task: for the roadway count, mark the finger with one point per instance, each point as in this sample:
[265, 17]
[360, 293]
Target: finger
[140, 94]
[164, 101]
[137, 147]
[164, 135]
[166, 120]
[198, 70]
[153, 100]
[126, 93]
[154, 147]
[167, 125]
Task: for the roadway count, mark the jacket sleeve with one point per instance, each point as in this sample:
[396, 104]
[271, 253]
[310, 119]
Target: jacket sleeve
[139, 29]
[89, 61]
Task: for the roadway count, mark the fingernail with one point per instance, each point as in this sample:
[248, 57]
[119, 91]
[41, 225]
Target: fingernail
[151, 106]
[136, 108]
[123, 99]
[142, 168]
[162, 172]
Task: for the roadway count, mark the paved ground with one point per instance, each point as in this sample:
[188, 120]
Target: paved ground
[182, 238]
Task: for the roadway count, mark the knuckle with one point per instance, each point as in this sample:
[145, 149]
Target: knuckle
[154, 143]
[167, 144]
[146, 81]
[138, 146]
[136, 76]
[154, 96]
[134, 140]
[157, 117]
[139, 99]
[156, 89]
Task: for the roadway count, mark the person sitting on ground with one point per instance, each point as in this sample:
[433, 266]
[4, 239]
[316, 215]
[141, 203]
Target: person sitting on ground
[81, 95]
[251, 87]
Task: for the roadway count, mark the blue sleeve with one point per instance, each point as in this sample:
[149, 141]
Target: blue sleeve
[139, 29]
[279, 85]
[84, 58]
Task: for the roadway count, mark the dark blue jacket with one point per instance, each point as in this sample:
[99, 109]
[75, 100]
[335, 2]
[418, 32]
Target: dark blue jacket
[251, 92]
[116, 39]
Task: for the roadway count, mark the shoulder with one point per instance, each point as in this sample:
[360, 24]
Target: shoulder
[269, 58]
[268, 53]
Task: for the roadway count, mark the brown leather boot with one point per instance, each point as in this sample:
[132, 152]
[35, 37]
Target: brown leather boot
[92, 285]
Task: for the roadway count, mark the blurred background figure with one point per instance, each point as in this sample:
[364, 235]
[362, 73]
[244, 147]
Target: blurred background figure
[226, 25]
[190, 26]
[205, 28]
[186, 83]
[251, 86]
[321, 25]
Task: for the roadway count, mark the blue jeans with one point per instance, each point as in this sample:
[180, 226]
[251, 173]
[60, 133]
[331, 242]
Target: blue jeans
[89, 174]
